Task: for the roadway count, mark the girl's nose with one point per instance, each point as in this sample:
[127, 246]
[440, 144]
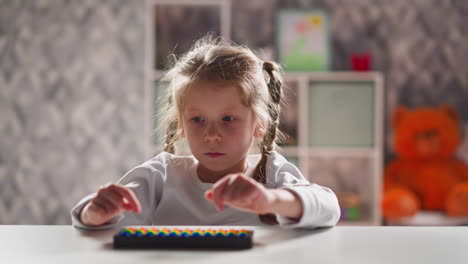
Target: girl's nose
[212, 134]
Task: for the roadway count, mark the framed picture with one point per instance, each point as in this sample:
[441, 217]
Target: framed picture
[303, 40]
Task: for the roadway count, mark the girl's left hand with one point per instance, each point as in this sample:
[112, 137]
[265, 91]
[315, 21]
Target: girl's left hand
[241, 192]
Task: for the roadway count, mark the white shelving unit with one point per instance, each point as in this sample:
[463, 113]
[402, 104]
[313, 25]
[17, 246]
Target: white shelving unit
[357, 97]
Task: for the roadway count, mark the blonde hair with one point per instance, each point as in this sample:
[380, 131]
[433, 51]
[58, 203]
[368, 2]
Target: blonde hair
[214, 59]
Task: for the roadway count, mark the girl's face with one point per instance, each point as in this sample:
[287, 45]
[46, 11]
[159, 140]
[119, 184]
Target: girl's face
[219, 129]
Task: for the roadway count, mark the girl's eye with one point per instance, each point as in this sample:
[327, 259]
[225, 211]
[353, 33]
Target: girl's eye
[228, 118]
[197, 119]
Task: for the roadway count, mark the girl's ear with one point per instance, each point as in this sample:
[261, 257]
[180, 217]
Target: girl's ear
[180, 129]
[259, 132]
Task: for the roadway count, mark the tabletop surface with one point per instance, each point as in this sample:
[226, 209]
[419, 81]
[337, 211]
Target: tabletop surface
[341, 244]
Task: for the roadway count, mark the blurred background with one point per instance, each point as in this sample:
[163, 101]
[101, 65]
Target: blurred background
[74, 82]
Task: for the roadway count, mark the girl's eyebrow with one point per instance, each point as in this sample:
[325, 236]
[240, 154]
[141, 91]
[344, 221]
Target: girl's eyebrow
[228, 108]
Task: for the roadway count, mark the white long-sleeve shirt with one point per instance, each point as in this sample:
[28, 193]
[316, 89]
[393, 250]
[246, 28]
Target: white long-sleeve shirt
[170, 193]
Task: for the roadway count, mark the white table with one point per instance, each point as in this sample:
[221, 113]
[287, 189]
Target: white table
[342, 244]
[431, 218]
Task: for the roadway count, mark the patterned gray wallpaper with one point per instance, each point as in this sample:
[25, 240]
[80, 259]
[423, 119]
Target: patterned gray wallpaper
[71, 112]
[71, 82]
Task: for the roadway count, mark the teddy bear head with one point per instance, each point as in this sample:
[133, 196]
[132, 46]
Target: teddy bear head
[426, 132]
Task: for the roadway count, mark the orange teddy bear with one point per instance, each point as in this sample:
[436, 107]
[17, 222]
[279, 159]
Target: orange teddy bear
[426, 175]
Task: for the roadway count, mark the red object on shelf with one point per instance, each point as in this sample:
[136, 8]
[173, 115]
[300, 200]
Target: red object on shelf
[361, 61]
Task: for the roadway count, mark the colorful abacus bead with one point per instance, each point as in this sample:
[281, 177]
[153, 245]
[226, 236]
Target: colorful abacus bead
[183, 238]
[176, 232]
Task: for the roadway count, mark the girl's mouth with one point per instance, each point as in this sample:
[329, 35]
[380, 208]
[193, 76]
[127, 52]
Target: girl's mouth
[214, 154]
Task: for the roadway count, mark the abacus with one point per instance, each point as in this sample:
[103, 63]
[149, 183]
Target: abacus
[141, 237]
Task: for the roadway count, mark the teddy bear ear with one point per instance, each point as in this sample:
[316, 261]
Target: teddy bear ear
[449, 111]
[398, 115]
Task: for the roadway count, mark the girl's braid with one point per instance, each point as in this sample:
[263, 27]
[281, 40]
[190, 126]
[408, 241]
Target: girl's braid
[275, 90]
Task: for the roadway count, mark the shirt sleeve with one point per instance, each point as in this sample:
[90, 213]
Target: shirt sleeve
[146, 181]
[319, 203]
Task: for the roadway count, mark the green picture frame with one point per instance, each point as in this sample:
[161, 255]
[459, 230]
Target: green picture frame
[303, 40]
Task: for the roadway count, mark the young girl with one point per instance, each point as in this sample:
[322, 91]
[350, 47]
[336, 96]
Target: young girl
[222, 100]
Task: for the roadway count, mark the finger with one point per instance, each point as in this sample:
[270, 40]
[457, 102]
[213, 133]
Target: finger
[240, 184]
[209, 195]
[227, 194]
[113, 197]
[231, 184]
[127, 205]
[112, 207]
[129, 195]
[97, 208]
[103, 205]
[238, 194]
[230, 191]
[99, 212]
[235, 195]
[218, 191]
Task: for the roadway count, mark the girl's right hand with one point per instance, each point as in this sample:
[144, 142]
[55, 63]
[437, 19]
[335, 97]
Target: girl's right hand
[110, 201]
